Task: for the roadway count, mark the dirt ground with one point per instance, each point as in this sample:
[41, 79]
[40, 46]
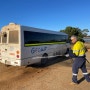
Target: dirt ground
[56, 75]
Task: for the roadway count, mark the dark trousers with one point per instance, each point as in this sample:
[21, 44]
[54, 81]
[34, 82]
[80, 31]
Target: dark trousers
[79, 62]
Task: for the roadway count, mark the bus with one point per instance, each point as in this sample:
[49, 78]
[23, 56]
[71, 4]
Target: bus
[23, 45]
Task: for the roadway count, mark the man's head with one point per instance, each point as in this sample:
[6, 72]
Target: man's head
[73, 39]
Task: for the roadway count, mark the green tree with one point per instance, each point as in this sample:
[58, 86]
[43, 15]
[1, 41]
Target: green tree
[84, 32]
[73, 31]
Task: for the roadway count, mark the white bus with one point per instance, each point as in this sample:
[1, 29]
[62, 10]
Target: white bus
[23, 45]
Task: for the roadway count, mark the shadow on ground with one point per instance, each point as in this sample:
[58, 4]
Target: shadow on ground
[82, 79]
[62, 60]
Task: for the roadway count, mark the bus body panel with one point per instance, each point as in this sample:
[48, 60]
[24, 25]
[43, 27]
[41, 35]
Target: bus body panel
[9, 54]
[34, 54]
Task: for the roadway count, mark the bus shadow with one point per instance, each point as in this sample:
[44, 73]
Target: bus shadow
[51, 61]
[56, 60]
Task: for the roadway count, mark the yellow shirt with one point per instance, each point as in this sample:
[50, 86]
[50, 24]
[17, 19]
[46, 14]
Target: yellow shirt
[79, 48]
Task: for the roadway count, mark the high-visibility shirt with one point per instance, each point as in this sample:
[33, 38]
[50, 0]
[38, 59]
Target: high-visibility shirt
[79, 48]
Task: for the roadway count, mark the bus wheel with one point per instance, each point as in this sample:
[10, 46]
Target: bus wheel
[44, 60]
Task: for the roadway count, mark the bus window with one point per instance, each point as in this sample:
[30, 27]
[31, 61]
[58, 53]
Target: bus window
[42, 38]
[13, 37]
[4, 37]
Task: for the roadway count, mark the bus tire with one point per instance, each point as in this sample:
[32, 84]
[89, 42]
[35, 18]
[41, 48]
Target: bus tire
[67, 51]
[44, 59]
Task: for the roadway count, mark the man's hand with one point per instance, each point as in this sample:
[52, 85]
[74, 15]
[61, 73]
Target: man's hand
[66, 55]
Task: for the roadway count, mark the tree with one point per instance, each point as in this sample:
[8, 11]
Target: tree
[85, 31]
[74, 31]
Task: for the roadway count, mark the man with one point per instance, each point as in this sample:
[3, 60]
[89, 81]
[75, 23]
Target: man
[78, 51]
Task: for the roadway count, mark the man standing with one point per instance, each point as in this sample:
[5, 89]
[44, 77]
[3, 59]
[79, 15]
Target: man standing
[78, 51]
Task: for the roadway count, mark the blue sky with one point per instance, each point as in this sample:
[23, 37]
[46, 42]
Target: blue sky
[46, 14]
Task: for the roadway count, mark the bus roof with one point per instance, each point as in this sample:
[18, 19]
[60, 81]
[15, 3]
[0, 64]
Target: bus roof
[27, 28]
[42, 30]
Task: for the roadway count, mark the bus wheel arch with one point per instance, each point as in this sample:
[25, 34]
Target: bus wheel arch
[67, 51]
[44, 59]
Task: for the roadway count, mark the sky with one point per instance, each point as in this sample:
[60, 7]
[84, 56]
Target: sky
[53, 15]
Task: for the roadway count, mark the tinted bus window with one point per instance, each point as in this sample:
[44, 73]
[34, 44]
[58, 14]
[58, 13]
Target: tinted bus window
[36, 37]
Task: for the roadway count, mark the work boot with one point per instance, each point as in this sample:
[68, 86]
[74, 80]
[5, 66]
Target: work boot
[87, 78]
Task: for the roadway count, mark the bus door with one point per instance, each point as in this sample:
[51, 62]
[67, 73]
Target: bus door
[4, 47]
[14, 47]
